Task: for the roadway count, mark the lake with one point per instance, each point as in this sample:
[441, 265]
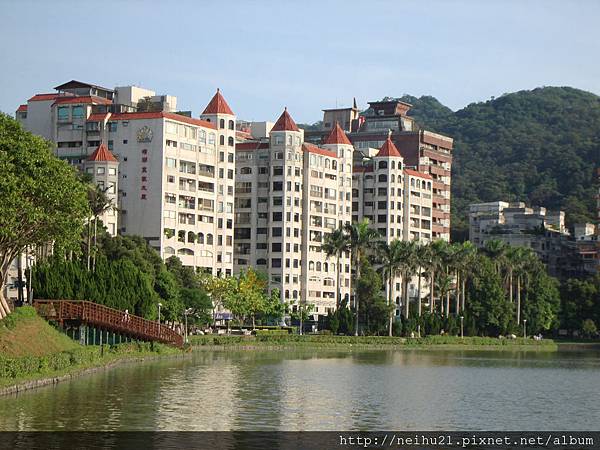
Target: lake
[324, 390]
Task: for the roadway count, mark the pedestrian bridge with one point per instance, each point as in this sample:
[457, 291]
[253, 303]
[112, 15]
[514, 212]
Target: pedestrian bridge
[94, 324]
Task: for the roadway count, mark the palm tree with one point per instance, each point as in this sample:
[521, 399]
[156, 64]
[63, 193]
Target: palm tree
[434, 263]
[391, 258]
[525, 260]
[422, 258]
[99, 204]
[449, 261]
[336, 244]
[361, 238]
[408, 268]
[467, 254]
[496, 250]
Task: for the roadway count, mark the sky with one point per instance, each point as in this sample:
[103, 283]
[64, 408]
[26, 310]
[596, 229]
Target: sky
[306, 55]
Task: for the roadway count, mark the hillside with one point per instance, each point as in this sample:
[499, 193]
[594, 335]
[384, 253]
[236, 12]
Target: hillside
[540, 146]
[24, 333]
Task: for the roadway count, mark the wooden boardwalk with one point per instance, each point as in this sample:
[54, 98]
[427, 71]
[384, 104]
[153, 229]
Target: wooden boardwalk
[109, 319]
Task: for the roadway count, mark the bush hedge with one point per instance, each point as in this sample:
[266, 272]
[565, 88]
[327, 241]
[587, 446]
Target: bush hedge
[31, 365]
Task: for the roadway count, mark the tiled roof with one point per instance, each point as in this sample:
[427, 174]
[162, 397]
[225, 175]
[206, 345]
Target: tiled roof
[218, 105]
[22, 108]
[416, 173]
[82, 99]
[337, 136]
[43, 97]
[311, 148]
[98, 117]
[102, 153]
[285, 123]
[388, 149]
[165, 115]
[249, 146]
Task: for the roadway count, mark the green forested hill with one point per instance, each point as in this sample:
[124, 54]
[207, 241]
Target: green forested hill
[540, 146]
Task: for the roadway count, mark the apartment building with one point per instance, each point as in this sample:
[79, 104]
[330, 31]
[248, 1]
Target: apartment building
[422, 150]
[565, 254]
[289, 196]
[174, 182]
[396, 200]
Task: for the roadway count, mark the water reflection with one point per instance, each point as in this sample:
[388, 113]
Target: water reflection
[323, 390]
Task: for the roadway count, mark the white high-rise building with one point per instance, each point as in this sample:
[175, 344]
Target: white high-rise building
[289, 196]
[175, 174]
[396, 200]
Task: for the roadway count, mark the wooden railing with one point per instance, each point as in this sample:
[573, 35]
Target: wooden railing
[108, 318]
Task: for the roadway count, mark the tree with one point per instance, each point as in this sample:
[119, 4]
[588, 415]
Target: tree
[511, 148]
[199, 302]
[434, 266]
[168, 289]
[361, 237]
[247, 295]
[588, 328]
[391, 257]
[217, 288]
[490, 310]
[407, 268]
[375, 310]
[42, 202]
[496, 250]
[542, 303]
[99, 203]
[580, 301]
[336, 244]
[464, 257]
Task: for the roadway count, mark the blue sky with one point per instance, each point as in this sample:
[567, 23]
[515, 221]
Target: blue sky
[306, 55]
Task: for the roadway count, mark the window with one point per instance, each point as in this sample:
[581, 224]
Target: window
[100, 171]
[382, 178]
[112, 171]
[222, 123]
[63, 113]
[230, 141]
[221, 139]
[231, 125]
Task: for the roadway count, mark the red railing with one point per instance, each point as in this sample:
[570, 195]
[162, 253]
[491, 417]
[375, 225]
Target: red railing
[109, 318]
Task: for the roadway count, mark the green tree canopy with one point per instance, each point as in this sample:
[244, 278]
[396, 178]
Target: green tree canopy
[42, 201]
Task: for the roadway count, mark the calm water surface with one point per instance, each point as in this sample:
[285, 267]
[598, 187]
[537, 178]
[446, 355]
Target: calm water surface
[324, 390]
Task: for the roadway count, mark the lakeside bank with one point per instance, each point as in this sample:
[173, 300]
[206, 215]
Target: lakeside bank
[29, 372]
[52, 357]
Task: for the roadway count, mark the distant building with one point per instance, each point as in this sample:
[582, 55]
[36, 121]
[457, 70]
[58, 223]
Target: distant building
[565, 255]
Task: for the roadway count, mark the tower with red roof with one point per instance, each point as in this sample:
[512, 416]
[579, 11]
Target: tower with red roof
[103, 168]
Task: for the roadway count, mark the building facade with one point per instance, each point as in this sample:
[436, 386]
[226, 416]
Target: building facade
[174, 181]
[564, 254]
[289, 196]
[422, 150]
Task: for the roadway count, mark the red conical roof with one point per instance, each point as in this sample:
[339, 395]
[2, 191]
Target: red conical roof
[337, 136]
[102, 153]
[218, 105]
[388, 149]
[285, 123]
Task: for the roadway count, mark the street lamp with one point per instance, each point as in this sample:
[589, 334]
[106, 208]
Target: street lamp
[159, 305]
[524, 328]
[462, 335]
[185, 313]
